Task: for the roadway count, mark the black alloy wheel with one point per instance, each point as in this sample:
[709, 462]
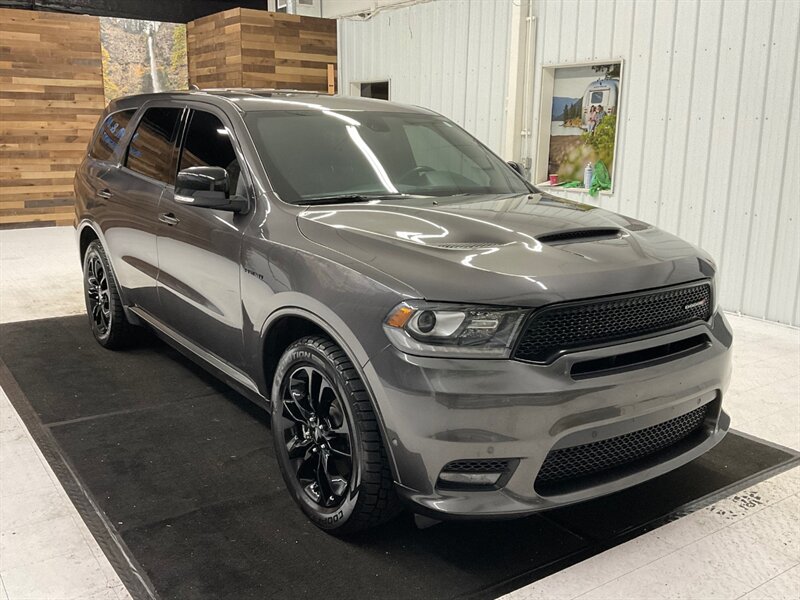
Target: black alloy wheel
[328, 441]
[317, 437]
[107, 318]
[97, 298]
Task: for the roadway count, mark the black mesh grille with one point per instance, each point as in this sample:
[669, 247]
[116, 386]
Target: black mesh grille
[476, 466]
[578, 461]
[586, 324]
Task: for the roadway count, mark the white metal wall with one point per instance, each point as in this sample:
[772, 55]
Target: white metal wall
[709, 141]
[448, 56]
[709, 145]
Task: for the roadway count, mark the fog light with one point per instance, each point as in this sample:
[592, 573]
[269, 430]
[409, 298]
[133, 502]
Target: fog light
[470, 478]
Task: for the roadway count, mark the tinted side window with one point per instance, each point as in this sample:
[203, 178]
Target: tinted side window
[111, 132]
[150, 150]
[208, 143]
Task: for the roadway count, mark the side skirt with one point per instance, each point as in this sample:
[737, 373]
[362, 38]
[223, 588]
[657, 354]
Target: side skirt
[234, 377]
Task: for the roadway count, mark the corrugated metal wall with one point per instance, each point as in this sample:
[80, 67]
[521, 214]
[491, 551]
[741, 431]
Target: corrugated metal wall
[709, 141]
[709, 146]
[447, 56]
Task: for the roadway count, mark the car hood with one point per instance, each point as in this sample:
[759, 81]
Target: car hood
[526, 250]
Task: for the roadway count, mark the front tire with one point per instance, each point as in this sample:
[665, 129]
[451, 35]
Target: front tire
[110, 326]
[327, 439]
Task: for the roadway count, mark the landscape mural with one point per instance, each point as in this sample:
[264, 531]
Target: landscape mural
[142, 56]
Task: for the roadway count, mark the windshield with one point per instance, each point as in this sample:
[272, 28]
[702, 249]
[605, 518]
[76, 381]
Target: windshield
[321, 153]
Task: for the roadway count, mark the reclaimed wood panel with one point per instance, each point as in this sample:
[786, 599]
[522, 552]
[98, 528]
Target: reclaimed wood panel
[213, 49]
[51, 95]
[255, 49]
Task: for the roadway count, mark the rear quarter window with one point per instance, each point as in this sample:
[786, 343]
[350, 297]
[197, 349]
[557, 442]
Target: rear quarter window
[111, 132]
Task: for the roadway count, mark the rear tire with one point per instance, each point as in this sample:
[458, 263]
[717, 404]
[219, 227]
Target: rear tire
[109, 324]
[328, 441]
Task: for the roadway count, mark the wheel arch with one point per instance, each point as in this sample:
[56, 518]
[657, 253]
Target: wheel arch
[86, 232]
[277, 332]
[284, 330]
[86, 235]
[275, 340]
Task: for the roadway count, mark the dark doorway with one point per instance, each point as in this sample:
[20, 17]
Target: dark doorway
[375, 89]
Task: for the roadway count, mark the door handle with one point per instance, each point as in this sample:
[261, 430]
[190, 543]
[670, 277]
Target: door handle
[169, 219]
[105, 193]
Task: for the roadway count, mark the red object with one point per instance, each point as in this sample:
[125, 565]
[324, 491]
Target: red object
[553, 179]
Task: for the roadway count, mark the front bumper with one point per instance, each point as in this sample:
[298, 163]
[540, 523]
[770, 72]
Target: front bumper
[437, 410]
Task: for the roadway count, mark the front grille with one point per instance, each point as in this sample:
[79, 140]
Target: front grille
[558, 328]
[476, 466]
[590, 459]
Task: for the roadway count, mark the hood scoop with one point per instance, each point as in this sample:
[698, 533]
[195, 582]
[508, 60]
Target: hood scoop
[587, 234]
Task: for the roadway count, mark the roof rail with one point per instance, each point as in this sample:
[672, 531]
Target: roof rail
[262, 90]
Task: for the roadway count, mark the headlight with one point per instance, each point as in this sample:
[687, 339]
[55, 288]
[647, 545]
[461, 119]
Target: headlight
[436, 329]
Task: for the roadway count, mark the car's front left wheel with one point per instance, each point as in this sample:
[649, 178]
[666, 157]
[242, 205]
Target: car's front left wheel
[327, 439]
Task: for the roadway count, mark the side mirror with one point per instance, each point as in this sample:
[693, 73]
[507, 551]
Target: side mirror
[517, 167]
[207, 187]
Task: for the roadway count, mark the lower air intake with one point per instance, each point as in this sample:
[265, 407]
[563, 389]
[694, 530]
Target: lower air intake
[570, 464]
[476, 466]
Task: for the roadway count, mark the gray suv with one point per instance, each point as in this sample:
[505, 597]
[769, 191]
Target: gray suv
[426, 328]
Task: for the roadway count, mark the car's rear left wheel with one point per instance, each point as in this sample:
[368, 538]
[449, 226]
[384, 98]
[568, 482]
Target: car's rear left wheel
[327, 439]
[107, 318]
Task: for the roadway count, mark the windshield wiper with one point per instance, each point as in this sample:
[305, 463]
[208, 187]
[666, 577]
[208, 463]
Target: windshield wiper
[343, 198]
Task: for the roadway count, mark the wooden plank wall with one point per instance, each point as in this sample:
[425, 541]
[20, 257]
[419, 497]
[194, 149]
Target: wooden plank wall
[214, 50]
[51, 95]
[253, 48]
[51, 90]
[287, 51]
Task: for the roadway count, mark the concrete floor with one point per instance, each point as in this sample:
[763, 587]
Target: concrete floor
[745, 546]
[46, 550]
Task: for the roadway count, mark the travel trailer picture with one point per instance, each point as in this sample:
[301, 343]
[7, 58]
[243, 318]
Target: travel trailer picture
[600, 93]
[583, 119]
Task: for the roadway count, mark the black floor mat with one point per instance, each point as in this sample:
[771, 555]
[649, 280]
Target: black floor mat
[181, 470]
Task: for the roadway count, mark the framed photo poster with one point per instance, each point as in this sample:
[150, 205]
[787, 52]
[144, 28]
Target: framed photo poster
[583, 121]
